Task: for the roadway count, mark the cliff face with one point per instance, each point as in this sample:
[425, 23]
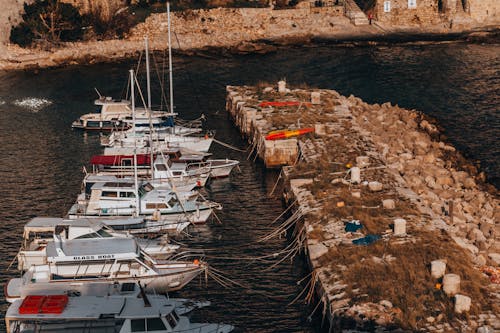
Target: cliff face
[11, 12]
[105, 8]
[9, 15]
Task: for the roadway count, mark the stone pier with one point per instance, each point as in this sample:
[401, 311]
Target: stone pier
[382, 197]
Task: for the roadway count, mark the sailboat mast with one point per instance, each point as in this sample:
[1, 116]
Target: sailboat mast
[148, 82]
[136, 185]
[170, 61]
[148, 78]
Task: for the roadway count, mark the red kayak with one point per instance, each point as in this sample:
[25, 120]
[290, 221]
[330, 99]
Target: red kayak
[285, 134]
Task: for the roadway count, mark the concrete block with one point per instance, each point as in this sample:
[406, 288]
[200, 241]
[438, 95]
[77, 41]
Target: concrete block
[282, 86]
[375, 186]
[451, 284]
[355, 175]
[388, 204]
[315, 97]
[399, 227]
[438, 268]
[462, 303]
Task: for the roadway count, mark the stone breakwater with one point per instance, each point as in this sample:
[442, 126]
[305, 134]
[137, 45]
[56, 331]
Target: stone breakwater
[400, 231]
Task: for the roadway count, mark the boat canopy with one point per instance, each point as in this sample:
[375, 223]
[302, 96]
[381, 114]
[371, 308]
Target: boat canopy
[83, 307]
[119, 160]
[92, 248]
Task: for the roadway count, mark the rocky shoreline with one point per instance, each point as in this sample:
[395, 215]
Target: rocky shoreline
[224, 31]
[379, 200]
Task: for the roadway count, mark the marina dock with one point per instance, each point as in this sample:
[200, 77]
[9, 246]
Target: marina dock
[399, 229]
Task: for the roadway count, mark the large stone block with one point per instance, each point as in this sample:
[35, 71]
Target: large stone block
[438, 268]
[462, 303]
[451, 284]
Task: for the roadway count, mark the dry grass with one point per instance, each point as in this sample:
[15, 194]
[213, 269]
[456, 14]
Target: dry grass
[406, 281]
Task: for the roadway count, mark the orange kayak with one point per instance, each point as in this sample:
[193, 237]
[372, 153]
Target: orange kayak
[285, 134]
[285, 103]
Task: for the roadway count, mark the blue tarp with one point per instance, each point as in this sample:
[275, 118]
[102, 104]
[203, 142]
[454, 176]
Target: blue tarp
[367, 240]
[353, 226]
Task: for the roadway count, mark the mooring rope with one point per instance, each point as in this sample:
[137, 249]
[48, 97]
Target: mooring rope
[229, 146]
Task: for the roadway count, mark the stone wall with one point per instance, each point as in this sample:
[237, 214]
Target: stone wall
[484, 10]
[229, 26]
[417, 12]
[404, 12]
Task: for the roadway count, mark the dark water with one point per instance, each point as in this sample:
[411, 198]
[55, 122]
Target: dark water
[41, 157]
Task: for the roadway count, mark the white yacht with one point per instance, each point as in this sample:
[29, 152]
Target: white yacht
[115, 114]
[165, 172]
[103, 260]
[122, 199]
[102, 314]
[39, 231]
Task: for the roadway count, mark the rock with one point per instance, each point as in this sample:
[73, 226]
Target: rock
[476, 235]
[317, 250]
[430, 319]
[480, 260]
[460, 176]
[438, 268]
[485, 329]
[362, 161]
[386, 304]
[487, 229]
[388, 204]
[462, 303]
[375, 186]
[431, 183]
[495, 257]
[451, 284]
[469, 183]
[429, 158]
[444, 180]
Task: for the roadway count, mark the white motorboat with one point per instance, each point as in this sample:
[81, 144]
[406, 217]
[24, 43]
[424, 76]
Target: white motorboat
[115, 114]
[102, 314]
[39, 231]
[102, 260]
[126, 144]
[122, 199]
[165, 175]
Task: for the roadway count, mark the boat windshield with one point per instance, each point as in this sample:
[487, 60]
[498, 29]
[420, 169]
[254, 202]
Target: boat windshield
[145, 189]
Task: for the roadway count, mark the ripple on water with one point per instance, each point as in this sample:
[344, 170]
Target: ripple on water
[32, 104]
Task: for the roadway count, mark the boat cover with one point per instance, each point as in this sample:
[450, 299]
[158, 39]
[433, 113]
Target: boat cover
[142, 159]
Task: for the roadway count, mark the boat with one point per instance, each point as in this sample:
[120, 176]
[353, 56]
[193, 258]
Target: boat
[166, 173]
[118, 199]
[39, 231]
[102, 314]
[126, 141]
[102, 260]
[114, 114]
[219, 168]
[285, 134]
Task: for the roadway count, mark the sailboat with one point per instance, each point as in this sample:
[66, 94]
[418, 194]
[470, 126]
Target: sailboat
[162, 208]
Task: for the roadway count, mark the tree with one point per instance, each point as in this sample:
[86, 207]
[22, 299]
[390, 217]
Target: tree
[48, 21]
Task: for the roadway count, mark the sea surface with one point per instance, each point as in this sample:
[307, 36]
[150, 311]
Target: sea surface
[41, 157]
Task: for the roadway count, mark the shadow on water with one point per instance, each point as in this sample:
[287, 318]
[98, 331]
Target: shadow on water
[41, 157]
